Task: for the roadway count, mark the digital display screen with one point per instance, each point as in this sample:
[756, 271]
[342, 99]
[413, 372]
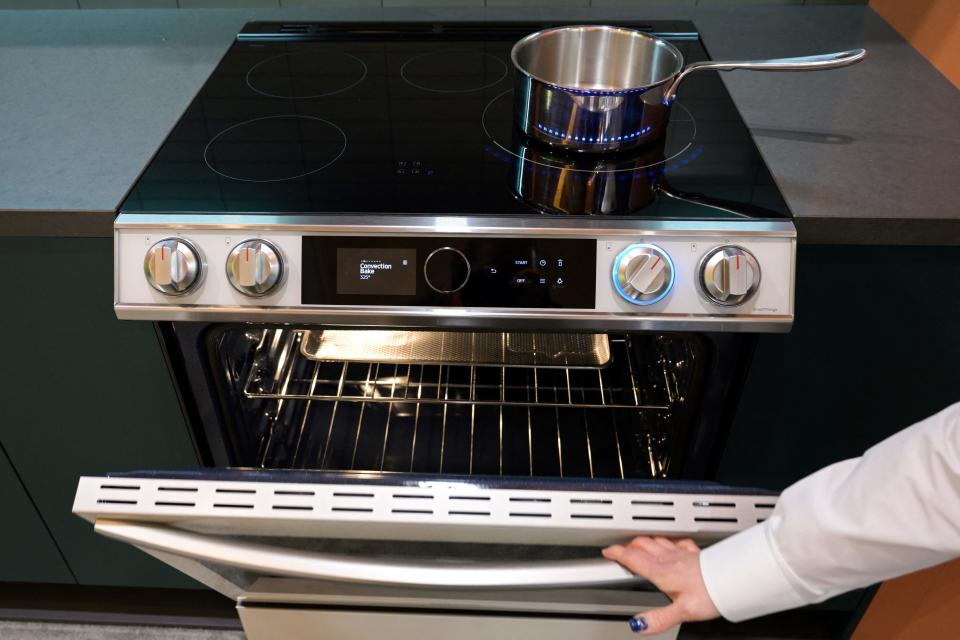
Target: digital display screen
[377, 272]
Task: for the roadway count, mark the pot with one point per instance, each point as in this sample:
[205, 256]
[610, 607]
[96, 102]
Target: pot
[598, 88]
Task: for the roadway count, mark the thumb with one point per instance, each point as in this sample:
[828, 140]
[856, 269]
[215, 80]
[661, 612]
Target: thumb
[656, 621]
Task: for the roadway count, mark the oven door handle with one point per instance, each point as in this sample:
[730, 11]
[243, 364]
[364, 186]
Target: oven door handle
[282, 561]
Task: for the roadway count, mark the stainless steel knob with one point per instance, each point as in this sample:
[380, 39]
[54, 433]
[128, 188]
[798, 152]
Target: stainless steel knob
[254, 267]
[173, 266]
[729, 275]
[643, 274]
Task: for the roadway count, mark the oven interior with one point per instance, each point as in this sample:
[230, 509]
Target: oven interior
[601, 406]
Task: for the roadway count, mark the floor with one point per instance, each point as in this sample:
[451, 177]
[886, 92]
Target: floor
[24, 630]
[20, 630]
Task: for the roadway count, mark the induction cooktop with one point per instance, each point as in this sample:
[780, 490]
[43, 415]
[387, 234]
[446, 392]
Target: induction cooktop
[416, 119]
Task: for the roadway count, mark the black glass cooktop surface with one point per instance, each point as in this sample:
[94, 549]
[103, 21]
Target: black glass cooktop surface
[417, 119]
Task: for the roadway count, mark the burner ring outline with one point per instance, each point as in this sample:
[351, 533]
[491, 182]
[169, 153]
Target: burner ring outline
[403, 72]
[206, 149]
[363, 76]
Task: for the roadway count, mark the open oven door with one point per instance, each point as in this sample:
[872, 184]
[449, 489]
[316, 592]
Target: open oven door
[355, 553]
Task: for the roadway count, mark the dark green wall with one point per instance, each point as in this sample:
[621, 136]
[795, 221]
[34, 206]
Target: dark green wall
[875, 347]
[83, 393]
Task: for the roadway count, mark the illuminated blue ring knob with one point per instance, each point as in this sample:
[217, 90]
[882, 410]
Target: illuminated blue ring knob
[643, 274]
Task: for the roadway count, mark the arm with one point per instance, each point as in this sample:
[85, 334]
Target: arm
[854, 523]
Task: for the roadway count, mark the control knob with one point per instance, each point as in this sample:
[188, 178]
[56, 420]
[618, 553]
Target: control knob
[254, 267]
[172, 266]
[729, 275]
[643, 274]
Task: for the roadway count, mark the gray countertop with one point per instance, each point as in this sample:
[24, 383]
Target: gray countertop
[864, 155]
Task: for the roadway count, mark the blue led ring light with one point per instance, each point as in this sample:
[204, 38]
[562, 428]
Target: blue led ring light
[616, 269]
[562, 135]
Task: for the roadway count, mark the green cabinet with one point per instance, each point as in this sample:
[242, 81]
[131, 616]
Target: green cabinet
[84, 393]
[27, 552]
[875, 348]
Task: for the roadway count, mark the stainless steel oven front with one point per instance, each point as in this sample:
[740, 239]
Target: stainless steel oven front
[431, 425]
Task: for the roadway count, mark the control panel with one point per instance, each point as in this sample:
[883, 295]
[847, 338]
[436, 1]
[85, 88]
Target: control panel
[726, 276]
[449, 271]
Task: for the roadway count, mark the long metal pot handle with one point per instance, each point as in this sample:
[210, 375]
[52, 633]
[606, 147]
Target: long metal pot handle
[802, 63]
[280, 561]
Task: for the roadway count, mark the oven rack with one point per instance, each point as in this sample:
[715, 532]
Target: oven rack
[604, 422]
[284, 374]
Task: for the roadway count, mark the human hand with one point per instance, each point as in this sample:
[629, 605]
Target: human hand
[674, 568]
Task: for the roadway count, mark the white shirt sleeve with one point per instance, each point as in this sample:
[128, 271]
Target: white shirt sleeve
[849, 525]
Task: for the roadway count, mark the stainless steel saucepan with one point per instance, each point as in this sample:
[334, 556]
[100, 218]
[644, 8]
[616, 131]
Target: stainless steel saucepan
[598, 88]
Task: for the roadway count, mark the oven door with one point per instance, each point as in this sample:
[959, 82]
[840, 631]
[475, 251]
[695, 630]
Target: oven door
[447, 482]
[358, 552]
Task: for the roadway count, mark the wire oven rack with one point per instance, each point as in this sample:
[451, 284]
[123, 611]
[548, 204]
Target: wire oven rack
[463, 418]
[583, 388]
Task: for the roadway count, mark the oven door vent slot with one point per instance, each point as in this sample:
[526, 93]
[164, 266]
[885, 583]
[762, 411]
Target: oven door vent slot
[724, 505]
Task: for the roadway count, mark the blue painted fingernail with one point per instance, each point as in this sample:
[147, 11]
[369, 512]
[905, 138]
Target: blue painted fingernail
[638, 624]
